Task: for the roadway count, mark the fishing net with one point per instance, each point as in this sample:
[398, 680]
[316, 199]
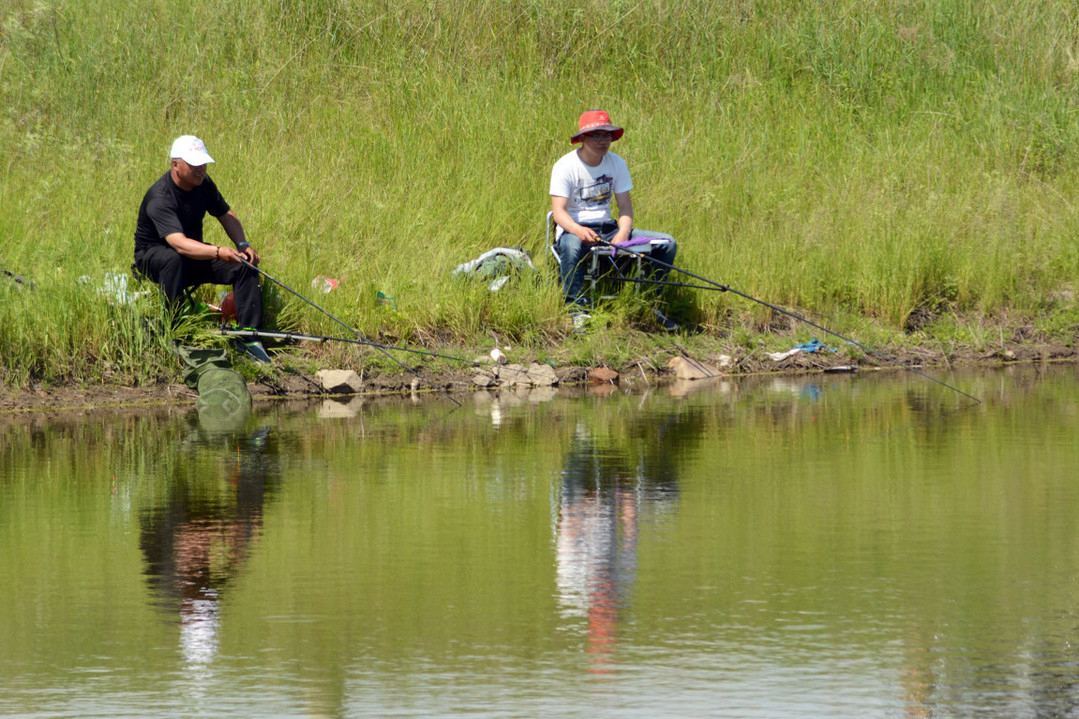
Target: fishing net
[224, 400]
[197, 360]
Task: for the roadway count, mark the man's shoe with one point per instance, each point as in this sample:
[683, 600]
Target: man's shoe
[255, 351]
[580, 322]
[665, 322]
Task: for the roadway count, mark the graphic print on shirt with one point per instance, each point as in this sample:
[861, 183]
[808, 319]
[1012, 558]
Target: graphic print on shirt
[597, 195]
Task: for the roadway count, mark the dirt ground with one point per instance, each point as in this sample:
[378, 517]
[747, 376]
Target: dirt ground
[276, 385]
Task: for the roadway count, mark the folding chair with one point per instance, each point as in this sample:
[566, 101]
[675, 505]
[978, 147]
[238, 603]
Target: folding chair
[602, 259]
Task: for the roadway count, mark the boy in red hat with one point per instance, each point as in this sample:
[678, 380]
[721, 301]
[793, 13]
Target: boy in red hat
[583, 182]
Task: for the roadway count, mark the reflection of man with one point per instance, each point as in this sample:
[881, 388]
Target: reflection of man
[198, 541]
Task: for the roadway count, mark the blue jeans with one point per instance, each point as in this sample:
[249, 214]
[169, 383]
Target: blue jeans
[573, 256]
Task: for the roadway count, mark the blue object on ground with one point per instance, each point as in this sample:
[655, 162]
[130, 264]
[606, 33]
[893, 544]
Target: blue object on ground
[815, 345]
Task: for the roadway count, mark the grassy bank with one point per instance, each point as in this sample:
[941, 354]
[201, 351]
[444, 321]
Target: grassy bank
[901, 171]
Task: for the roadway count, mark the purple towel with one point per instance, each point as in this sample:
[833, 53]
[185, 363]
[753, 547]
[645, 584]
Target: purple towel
[634, 241]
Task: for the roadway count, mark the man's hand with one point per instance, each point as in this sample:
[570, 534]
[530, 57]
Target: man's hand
[233, 256]
[586, 235]
[229, 255]
[249, 252]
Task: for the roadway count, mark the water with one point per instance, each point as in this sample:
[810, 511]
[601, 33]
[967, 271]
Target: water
[825, 546]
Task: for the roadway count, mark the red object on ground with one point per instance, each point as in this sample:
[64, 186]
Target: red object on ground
[228, 309]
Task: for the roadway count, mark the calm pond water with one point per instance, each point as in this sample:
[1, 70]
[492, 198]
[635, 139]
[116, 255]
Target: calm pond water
[820, 546]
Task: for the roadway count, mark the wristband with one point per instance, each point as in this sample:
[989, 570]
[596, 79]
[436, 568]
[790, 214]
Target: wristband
[217, 253]
[242, 245]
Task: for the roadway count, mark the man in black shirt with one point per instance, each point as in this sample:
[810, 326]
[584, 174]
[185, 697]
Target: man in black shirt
[168, 236]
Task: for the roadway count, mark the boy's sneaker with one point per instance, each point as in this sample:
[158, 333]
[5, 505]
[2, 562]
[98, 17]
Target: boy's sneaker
[665, 322]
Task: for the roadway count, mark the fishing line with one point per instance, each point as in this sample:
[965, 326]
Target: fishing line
[664, 283]
[726, 288]
[381, 348]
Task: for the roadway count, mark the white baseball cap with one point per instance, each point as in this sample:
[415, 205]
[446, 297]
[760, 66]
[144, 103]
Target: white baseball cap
[191, 150]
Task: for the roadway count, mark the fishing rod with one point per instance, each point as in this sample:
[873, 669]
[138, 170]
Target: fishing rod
[381, 348]
[726, 288]
[303, 337]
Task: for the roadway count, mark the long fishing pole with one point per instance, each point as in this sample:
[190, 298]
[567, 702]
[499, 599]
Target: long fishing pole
[727, 288]
[381, 348]
[304, 337]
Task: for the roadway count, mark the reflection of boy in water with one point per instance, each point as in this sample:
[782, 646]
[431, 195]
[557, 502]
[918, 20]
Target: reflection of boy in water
[604, 491]
[597, 557]
[596, 544]
[597, 533]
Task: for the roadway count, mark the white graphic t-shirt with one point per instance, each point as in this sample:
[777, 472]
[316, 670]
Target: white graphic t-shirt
[589, 189]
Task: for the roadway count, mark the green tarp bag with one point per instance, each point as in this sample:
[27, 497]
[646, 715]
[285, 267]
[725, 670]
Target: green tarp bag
[224, 400]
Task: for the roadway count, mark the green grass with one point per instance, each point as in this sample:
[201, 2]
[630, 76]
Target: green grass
[867, 163]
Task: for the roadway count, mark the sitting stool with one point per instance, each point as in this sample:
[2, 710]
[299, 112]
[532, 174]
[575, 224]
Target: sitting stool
[602, 259]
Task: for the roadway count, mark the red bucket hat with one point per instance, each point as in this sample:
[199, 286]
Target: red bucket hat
[595, 120]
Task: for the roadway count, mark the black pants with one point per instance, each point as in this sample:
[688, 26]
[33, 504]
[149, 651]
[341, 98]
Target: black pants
[175, 273]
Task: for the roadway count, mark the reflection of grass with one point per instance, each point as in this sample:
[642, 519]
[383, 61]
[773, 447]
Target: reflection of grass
[906, 163]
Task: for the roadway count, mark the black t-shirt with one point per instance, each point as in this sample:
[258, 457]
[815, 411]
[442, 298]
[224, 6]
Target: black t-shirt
[166, 209]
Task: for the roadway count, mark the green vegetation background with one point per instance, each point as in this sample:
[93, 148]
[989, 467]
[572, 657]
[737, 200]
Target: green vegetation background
[904, 171]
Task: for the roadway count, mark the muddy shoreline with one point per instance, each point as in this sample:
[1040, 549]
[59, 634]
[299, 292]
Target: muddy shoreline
[654, 370]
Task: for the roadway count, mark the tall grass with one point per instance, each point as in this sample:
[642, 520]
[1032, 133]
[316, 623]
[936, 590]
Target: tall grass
[884, 160]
